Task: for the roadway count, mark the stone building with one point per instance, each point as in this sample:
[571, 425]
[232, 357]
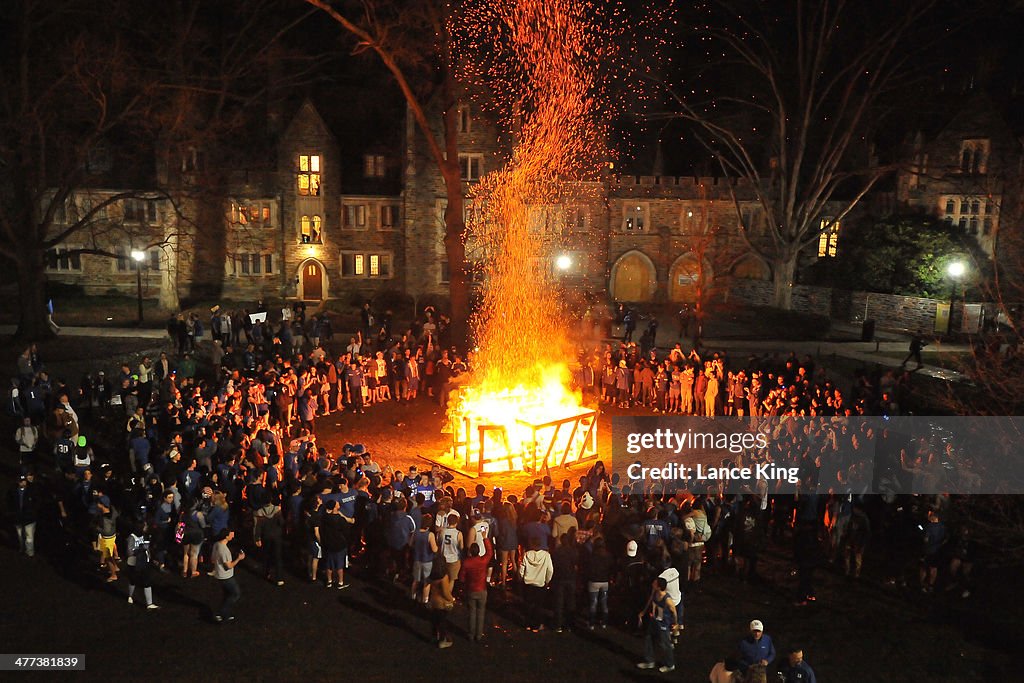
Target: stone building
[338, 206]
[967, 172]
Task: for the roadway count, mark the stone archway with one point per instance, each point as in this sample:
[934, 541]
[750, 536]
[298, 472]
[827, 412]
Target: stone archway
[684, 276]
[312, 277]
[634, 277]
[750, 267]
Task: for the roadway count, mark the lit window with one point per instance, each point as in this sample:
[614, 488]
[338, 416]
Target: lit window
[634, 218]
[256, 214]
[310, 229]
[361, 265]
[828, 241]
[309, 175]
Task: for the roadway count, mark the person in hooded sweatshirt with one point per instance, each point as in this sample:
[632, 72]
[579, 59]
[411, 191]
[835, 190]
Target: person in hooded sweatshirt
[536, 570]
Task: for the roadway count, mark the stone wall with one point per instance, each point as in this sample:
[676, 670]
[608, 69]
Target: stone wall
[911, 314]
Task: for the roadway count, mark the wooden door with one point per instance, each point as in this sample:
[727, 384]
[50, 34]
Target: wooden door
[685, 274]
[632, 280]
[312, 282]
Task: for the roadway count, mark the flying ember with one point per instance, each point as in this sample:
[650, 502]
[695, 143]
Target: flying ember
[517, 411]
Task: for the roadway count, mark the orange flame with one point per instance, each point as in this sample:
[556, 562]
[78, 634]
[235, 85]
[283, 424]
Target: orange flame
[545, 52]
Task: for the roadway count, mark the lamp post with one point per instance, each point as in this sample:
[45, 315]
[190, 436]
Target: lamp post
[563, 262]
[955, 270]
[138, 256]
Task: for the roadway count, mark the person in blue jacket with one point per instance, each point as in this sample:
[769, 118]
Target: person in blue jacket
[757, 648]
[795, 669]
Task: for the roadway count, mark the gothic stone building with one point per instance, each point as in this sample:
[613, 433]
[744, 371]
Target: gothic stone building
[338, 214]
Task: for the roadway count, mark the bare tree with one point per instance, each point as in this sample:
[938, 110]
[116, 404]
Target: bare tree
[795, 93]
[84, 106]
[423, 70]
[64, 89]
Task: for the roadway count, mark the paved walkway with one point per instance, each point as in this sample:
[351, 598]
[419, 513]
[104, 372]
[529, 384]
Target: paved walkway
[864, 352]
[129, 332]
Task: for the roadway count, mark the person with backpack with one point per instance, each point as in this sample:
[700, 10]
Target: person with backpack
[332, 533]
[139, 566]
[191, 533]
[440, 603]
[268, 533]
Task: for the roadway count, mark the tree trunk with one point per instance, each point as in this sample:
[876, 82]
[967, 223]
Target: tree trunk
[455, 250]
[169, 300]
[454, 214]
[32, 321]
[783, 272]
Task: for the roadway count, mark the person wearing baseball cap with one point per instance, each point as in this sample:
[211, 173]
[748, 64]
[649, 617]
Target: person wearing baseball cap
[756, 648]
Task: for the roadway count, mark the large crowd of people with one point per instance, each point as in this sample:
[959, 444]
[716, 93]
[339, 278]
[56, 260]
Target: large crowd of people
[197, 461]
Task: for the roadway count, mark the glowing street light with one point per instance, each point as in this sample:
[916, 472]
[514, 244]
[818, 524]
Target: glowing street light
[563, 262]
[955, 270]
[139, 256]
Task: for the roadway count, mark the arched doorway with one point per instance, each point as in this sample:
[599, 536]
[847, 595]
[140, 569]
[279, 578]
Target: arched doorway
[311, 281]
[633, 277]
[684, 276]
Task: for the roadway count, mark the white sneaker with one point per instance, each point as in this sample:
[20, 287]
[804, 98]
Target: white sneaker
[131, 600]
[666, 669]
[645, 665]
[152, 606]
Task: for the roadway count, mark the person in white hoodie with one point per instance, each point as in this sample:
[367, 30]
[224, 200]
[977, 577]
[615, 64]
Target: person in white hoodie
[536, 571]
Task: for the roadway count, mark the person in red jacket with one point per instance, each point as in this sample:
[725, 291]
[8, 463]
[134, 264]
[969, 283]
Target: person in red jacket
[473, 574]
